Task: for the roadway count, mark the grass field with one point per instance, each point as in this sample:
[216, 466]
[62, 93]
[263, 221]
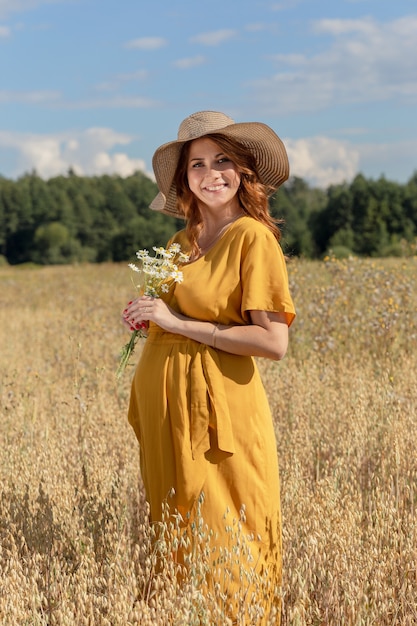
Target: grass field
[75, 543]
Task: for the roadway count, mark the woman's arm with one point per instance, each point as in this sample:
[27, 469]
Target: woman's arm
[267, 336]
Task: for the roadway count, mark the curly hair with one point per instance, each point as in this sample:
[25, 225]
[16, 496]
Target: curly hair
[252, 194]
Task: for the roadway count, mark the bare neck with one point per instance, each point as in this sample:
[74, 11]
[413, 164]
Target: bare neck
[213, 230]
[213, 221]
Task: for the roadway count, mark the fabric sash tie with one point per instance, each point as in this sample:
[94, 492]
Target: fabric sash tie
[209, 409]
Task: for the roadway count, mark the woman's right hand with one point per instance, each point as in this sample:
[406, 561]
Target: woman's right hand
[144, 309]
[132, 324]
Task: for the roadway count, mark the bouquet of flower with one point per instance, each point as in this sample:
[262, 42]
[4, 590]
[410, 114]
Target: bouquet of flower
[155, 276]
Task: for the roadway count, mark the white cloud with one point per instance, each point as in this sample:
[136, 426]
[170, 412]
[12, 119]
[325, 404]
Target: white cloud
[322, 161]
[396, 160]
[185, 64]
[147, 43]
[260, 27]
[214, 38]
[115, 102]
[255, 27]
[366, 61]
[19, 6]
[319, 160]
[89, 152]
[28, 97]
[337, 27]
[54, 100]
[287, 4]
[113, 84]
[138, 75]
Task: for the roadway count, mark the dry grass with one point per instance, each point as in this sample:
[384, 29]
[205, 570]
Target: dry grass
[76, 547]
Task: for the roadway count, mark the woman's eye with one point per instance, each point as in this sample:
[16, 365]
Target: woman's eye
[224, 160]
[198, 164]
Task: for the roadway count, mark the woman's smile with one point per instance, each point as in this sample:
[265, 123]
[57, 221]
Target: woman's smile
[215, 187]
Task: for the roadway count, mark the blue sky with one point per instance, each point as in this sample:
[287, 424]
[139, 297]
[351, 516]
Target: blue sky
[98, 85]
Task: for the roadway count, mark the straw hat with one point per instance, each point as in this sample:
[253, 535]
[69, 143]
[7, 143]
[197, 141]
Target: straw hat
[267, 148]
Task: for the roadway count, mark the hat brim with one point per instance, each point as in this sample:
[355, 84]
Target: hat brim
[263, 143]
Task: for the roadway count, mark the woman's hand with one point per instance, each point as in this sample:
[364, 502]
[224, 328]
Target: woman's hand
[139, 312]
[130, 322]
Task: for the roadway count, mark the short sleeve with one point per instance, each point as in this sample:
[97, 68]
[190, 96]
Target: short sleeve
[264, 276]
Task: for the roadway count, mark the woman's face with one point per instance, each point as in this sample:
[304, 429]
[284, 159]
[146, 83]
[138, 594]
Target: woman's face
[212, 177]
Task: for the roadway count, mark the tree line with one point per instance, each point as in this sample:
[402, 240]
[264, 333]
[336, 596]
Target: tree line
[70, 219]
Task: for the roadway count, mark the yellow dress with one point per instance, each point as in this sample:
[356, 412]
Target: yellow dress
[201, 415]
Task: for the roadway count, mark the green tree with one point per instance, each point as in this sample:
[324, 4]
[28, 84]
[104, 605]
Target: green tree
[410, 202]
[142, 233]
[16, 225]
[296, 203]
[140, 190]
[51, 241]
[344, 237]
[335, 217]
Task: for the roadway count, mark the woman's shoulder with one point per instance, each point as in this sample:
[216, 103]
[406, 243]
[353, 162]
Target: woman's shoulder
[251, 229]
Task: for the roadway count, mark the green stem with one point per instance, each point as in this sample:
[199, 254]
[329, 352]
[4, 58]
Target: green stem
[126, 353]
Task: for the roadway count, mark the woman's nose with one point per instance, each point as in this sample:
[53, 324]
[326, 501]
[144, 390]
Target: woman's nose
[214, 171]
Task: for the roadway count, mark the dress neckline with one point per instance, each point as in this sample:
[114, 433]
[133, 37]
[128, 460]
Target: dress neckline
[216, 243]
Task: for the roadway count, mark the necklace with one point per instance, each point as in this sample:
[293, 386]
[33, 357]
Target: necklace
[218, 233]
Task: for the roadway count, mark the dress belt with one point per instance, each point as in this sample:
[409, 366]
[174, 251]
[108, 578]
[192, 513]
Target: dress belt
[209, 406]
[209, 409]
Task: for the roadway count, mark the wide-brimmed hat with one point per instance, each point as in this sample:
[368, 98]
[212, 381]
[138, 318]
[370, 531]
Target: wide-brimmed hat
[261, 141]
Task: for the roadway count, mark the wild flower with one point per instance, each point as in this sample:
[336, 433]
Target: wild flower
[155, 276]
